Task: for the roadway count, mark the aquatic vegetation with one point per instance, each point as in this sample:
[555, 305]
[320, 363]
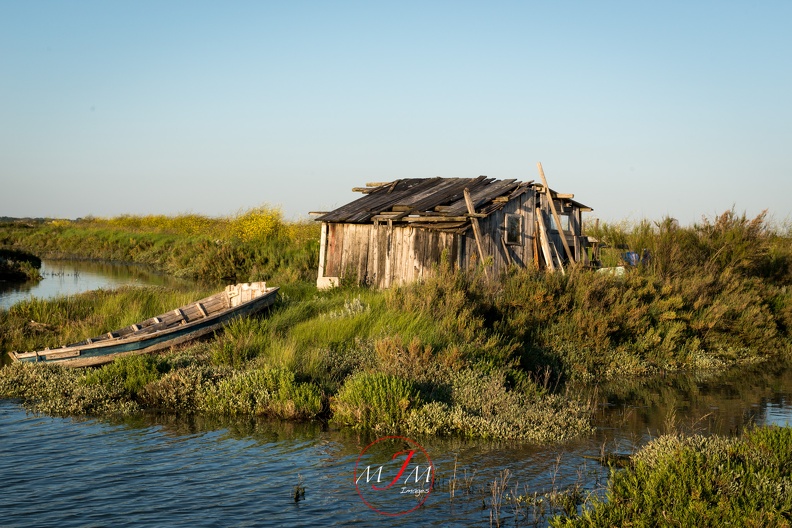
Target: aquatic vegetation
[375, 401]
[481, 405]
[59, 391]
[131, 373]
[182, 389]
[267, 391]
[700, 481]
[164, 383]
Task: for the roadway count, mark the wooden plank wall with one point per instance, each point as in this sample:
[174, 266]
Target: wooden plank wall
[572, 236]
[493, 230]
[384, 256]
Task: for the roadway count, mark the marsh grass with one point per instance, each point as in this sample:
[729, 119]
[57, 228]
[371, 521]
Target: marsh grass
[268, 391]
[505, 502]
[13, 270]
[469, 357]
[698, 480]
[374, 401]
[170, 383]
[250, 245]
[35, 324]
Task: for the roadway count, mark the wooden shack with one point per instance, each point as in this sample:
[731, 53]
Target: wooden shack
[397, 232]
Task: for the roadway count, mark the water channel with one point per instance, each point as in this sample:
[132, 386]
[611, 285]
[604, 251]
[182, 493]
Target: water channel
[69, 277]
[155, 470]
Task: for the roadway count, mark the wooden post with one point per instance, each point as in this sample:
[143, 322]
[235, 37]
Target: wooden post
[555, 214]
[544, 242]
[506, 251]
[476, 230]
[557, 256]
[536, 245]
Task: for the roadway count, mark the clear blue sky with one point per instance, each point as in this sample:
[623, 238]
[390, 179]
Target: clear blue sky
[641, 109]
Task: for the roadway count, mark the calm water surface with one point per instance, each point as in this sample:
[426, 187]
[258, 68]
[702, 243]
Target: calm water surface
[69, 277]
[165, 470]
[198, 471]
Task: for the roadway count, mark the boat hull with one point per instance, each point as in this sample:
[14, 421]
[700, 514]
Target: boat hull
[241, 300]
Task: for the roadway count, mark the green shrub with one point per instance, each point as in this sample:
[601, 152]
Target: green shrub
[181, 389]
[375, 401]
[482, 405]
[265, 391]
[700, 481]
[130, 373]
[60, 391]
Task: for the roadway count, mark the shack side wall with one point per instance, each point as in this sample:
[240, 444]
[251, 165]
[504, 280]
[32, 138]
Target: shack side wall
[385, 256]
[382, 256]
[493, 231]
[572, 234]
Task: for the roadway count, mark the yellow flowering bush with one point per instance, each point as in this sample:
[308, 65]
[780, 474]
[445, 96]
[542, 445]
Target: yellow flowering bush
[257, 224]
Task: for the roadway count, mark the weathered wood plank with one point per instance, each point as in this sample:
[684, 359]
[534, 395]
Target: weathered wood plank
[482, 196]
[551, 203]
[380, 199]
[545, 243]
[60, 355]
[476, 231]
[438, 219]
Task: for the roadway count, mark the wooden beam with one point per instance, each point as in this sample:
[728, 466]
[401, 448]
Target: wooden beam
[555, 253]
[506, 250]
[544, 242]
[435, 218]
[389, 216]
[476, 229]
[555, 215]
[535, 243]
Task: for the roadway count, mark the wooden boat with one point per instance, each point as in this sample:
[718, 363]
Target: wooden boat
[178, 326]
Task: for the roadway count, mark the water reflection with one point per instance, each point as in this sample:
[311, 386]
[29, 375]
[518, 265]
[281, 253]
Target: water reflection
[70, 277]
[700, 402]
[243, 471]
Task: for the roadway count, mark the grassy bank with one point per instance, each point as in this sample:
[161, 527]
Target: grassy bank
[700, 481]
[351, 356]
[18, 266]
[455, 354]
[253, 245]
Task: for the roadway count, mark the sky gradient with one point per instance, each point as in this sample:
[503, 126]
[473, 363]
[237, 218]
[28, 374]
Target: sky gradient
[642, 110]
